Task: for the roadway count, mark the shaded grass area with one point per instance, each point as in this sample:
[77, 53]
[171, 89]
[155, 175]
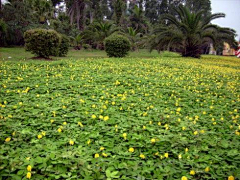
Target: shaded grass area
[19, 53]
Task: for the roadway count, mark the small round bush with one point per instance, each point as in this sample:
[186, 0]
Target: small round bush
[117, 45]
[42, 42]
[64, 46]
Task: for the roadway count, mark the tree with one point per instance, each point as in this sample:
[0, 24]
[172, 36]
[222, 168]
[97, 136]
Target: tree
[138, 20]
[119, 8]
[188, 32]
[151, 10]
[18, 17]
[97, 32]
[133, 37]
[195, 6]
[43, 9]
[76, 10]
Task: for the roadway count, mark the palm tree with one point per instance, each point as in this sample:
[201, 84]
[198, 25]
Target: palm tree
[42, 9]
[138, 20]
[76, 12]
[133, 36]
[188, 32]
[98, 31]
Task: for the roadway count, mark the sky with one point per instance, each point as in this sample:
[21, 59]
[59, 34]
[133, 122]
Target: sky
[232, 10]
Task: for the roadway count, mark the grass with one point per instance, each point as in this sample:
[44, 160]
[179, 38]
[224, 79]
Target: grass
[152, 117]
[20, 54]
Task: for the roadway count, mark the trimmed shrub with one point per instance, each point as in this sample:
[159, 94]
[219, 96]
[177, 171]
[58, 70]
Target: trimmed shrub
[42, 42]
[64, 46]
[117, 45]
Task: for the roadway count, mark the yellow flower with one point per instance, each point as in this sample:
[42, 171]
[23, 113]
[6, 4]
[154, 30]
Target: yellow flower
[150, 122]
[29, 175]
[186, 150]
[29, 168]
[183, 128]
[131, 150]
[102, 148]
[145, 114]
[144, 127]
[52, 121]
[104, 154]
[184, 178]
[124, 136]
[142, 156]
[80, 124]
[100, 117]
[178, 109]
[166, 155]
[117, 82]
[8, 139]
[43, 133]
[64, 107]
[106, 118]
[207, 169]
[39, 136]
[159, 123]
[96, 155]
[195, 132]
[179, 156]
[65, 123]
[89, 141]
[231, 178]
[59, 130]
[71, 142]
[28, 158]
[192, 172]
[202, 131]
[94, 116]
[153, 140]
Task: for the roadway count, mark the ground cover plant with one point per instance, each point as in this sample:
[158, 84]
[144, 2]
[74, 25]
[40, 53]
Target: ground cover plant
[129, 118]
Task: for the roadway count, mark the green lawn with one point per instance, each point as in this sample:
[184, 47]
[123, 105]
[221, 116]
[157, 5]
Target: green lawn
[21, 54]
[147, 116]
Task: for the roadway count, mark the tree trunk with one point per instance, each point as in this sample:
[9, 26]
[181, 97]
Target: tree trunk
[0, 5]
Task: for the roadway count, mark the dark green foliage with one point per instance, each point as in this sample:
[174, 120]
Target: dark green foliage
[64, 46]
[189, 33]
[195, 6]
[3, 31]
[42, 42]
[117, 45]
[119, 6]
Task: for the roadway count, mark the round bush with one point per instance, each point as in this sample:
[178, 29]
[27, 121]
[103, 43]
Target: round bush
[117, 46]
[42, 42]
[64, 46]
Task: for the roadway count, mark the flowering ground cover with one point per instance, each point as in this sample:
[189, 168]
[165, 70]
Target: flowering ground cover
[133, 118]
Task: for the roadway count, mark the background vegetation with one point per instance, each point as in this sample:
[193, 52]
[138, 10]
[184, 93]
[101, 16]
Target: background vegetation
[88, 22]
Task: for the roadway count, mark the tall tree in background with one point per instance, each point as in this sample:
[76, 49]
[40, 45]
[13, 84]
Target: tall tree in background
[195, 6]
[138, 20]
[163, 7]
[151, 10]
[76, 10]
[119, 9]
[42, 9]
[18, 17]
[188, 32]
